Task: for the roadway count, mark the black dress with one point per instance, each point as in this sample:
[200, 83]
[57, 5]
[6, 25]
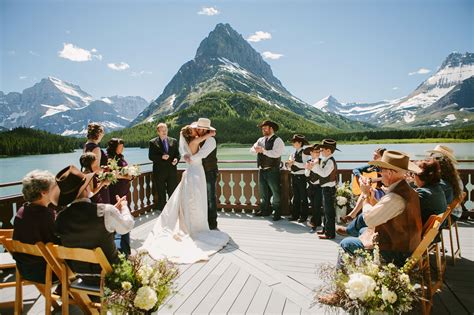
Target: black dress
[103, 196]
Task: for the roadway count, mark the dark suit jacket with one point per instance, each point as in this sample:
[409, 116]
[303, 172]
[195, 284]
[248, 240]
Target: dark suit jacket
[156, 151]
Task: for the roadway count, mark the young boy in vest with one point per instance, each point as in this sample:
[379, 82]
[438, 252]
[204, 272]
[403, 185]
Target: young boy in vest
[327, 171]
[296, 162]
[315, 193]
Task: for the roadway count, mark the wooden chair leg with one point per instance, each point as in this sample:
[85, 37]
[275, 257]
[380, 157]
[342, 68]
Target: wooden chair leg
[457, 253]
[18, 293]
[64, 292]
[451, 243]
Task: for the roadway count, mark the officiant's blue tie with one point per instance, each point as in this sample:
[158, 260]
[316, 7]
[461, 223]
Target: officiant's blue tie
[165, 145]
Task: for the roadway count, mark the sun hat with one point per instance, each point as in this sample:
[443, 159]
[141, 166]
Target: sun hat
[203, 123]
[446, 151]
[395, 160]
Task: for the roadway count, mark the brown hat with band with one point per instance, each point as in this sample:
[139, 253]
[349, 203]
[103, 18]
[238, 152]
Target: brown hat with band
[269, 123]
[299, 138]
[71, 182]
[328, 144]
[397, 161]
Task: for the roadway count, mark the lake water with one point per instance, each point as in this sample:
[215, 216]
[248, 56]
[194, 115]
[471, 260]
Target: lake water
[13, 169]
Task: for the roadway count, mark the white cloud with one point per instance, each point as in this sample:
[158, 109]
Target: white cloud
[31, 52]
[140, 73]
[420, 71]
[23, 77]
[270, 55]
[258, 36]
[98, 56]
[120, 66]
[74, 53]
[395, 88]
[208, 11]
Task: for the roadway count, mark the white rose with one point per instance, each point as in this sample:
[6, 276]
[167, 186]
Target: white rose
[126, 285]
[341, 201]
[144, 274]
[389, 296]
[405, 278]
[146, 298]
[360, 286]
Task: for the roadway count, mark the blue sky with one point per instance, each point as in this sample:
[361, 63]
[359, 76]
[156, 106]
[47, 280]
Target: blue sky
[354, 50]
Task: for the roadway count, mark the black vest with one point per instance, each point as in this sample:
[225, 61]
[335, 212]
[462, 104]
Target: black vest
[299, 159]
[264, 161]
[332, 177]
[209, 163]
[79, 226]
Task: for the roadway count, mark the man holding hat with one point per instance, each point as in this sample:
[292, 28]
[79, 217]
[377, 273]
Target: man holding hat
[269, 150]
[208, 153]
[85, 224]
[395, 220]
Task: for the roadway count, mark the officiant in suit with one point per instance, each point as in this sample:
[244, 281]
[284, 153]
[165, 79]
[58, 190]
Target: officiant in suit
[164, 153]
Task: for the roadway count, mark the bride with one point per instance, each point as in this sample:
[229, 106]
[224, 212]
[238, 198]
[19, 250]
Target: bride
[181, 232]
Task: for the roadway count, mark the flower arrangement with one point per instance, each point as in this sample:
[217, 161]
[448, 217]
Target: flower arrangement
[343, 195]
[113, 172]
[138, 285]
[364, 283]
[130, 170]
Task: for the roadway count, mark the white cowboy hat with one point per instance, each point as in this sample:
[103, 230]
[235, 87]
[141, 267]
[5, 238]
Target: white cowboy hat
[397, 161]
[446, 151]
[203, 123]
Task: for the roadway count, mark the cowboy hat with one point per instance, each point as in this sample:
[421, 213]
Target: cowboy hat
[71, 182]
[308, 150]
[328, 144]
[299, 138]
[446, 151]
[269, 123]
[397, 161]
[203, 123]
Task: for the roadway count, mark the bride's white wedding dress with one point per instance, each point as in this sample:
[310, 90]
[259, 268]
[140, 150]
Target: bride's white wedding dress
[181, 232]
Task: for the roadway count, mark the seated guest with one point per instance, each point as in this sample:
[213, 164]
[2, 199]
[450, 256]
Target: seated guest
[395, 219]
[85, 224]
[432, 197]
[34, 222]
[450, 180]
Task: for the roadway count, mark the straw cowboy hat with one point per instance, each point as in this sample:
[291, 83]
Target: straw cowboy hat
[203, 123]
[71, 182]
[299, 138]
[397, 161]
[446, 151]
[328, 144]
[308, 150]
[269, 123]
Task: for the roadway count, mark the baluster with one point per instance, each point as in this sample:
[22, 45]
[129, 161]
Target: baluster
[135, 194]
[141, 192]
[148, 190]
[220, 205]
[247, 190]
[226, 190]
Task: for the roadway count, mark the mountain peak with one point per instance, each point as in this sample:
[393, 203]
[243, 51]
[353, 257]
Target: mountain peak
[456, 59]
[328, 103]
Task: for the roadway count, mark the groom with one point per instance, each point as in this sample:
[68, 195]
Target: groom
[208, 153]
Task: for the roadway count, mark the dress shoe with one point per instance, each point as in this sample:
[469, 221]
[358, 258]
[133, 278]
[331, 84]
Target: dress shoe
[326, 237]
[341, 230]
[276, 218]
[302, 220]
[292, 218]
[320, 232]
[261, 214]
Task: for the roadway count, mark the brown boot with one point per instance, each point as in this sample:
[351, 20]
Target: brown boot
[341, 230]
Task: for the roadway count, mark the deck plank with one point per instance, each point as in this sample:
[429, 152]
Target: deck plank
[227, 299]
[260, 300]
[242, 302]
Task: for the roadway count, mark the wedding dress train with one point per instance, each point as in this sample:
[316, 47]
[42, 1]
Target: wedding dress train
[181, 232]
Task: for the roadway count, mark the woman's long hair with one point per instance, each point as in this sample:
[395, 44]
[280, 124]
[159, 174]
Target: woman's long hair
[450, 175]
[112, 148]
[187, 133]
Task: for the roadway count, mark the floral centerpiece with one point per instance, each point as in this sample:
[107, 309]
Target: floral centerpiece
[138, 285]
[367, 286]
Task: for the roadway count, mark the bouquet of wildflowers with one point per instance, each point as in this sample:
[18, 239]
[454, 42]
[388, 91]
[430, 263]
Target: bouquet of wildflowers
[365, 284]
[343, 195]
[130, 170]
[138, 285]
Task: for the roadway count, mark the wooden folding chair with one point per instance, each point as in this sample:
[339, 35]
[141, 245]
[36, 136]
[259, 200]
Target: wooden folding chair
[450, 225]
[6, 259]
[421, 259]
[44, 288]
[75, 286]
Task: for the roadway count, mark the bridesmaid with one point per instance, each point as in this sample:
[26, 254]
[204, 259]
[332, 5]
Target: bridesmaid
[95, 133]
[100, 191]
[121, 188]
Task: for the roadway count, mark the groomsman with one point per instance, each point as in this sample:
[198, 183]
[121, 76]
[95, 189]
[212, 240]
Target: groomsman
[165, 155]
[269, 150]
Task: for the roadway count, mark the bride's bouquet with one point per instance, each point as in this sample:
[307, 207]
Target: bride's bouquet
[138, 285]
[366, 284]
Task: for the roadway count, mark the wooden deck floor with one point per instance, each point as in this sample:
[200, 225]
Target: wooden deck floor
[269, 268]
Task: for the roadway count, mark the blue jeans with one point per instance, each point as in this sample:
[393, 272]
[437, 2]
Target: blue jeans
[269, 181]
[329, 199]
[122, 242]
[211, 179]
[355, 226]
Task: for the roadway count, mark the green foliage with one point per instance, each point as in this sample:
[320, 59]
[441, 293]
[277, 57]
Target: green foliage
[27, 141]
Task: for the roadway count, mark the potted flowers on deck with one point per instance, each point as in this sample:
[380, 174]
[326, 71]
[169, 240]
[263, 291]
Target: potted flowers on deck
[343, 200]
[365, 285]
[138, 285]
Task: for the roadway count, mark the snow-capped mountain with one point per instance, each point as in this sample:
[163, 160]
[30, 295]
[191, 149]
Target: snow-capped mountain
[427, 106]
[64, 108]
[127, 106]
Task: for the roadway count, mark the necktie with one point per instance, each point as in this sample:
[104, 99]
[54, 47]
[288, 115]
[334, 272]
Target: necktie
[165, 145]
